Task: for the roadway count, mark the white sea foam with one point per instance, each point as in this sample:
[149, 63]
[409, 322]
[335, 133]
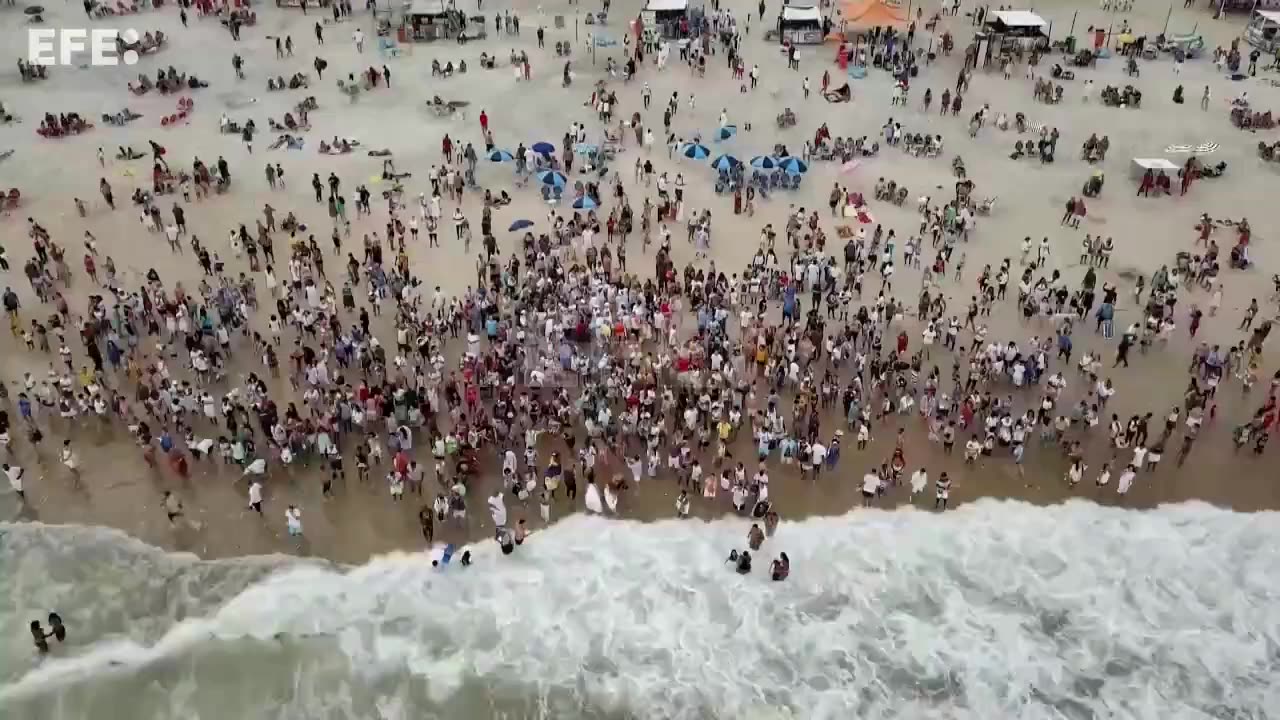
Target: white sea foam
[996, 610]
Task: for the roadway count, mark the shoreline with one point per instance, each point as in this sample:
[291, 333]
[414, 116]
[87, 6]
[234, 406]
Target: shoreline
[361, 522]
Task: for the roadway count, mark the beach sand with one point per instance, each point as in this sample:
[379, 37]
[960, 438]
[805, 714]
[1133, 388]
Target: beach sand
[120, 491]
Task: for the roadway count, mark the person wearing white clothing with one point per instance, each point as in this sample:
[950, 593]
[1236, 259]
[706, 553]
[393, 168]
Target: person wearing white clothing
[255, 496]
[72, 461]
[818, 457]
[870, 486]
[592, 498]
[15, 474]
[1126, 480]
[498, 509]
[293, 518]
[1075, 473]
[1104, 476]
[1139, 457]
[919, 481]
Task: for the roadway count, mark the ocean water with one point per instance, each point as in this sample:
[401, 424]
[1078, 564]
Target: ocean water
[996, 610]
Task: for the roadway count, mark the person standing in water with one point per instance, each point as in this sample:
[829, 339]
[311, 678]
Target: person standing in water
[870, 486]
[592, 498]
[293, 519]
[428, 522]
[498, 509]
[780, 568]
[72, 461]
[172, 507]
[943, 487]
[40, 638]
[15, 475]
[57, 630]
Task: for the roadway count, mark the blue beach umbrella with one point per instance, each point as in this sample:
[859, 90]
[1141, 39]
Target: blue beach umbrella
[543, 148]
[794, 166]
[764, 162]
[724, 163]
[696, 151]
[520, 225]
[585, 203]
[552, 178]
[501, 156]
[726, 132]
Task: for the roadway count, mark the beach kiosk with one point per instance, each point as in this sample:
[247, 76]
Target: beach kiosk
[665, 18]
[1009, 34]
[1264, 30]
[800, 25]
[427, 20]
[1016, 24]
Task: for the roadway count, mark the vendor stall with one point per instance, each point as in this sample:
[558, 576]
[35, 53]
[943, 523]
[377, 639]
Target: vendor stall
[1142, 165]
[1015, 23]
[1264, 30]
[427, 20]
[800, 25]
[665, 19]
[1009, 35]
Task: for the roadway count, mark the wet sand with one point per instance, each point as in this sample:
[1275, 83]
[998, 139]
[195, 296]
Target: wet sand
[120, 491]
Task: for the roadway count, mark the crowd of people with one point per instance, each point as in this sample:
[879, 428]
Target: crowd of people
[567, 368]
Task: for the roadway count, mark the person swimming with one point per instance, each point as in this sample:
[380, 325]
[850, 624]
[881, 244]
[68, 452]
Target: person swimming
[38, 635]
[755, 537]
[780, 568]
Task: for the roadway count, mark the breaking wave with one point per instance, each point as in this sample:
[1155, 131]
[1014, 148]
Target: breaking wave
[998, 609]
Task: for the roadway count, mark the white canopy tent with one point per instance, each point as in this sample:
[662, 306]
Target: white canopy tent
[795, 13]
[800, 25]
[1142, 165]
[1018, 19]
[667, 5]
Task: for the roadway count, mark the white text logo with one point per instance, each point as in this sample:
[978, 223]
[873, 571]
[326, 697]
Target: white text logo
[49, 46]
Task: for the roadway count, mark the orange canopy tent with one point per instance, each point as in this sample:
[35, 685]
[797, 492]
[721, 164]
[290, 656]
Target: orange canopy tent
[867, 14]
